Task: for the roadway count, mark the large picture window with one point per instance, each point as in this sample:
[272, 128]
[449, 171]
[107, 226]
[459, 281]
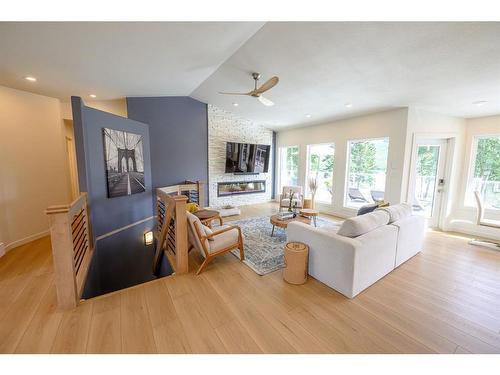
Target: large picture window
[366, 171]
[320, 159]
[289, 166]
[485, 172]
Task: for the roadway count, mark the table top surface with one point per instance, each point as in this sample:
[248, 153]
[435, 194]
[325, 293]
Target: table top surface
[309, 211]
[275, 220]
[206, 214]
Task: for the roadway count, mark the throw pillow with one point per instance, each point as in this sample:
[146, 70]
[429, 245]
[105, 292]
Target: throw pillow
[358, 225]
[192, 207]
[397, 212]
[366, 209]
[208, 232]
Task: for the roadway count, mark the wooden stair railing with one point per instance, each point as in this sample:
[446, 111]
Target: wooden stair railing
[171, 223]
[71, 249]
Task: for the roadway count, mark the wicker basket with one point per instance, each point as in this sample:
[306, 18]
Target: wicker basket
[296, 261]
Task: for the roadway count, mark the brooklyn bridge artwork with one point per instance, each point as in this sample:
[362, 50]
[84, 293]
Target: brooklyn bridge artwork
[124, 162]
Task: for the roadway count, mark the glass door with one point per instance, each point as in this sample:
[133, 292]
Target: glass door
[428, 179]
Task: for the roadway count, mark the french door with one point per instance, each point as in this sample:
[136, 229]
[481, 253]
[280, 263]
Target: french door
[427, 179]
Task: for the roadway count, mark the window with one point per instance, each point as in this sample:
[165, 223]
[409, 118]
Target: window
[366, 171]
[289, 166]
[320, 159]
[485, 172]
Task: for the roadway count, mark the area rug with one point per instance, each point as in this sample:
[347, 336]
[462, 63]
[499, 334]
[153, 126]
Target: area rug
[263, 253]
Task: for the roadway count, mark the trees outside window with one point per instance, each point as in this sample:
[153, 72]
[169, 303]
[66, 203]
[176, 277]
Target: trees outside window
[289, 166]
[367, 171]
[320, 167]
[425, 184]
[486, 170]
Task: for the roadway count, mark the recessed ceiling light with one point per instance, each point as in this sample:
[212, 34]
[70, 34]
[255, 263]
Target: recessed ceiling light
[348, 105]
[308, 115]
[29, 78]
[235, 104]
[93, 95]
[479, 103]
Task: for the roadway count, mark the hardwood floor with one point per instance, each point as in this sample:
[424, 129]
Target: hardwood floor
[444, 300]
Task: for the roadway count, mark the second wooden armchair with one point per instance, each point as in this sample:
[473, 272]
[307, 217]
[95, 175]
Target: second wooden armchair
[213, 243]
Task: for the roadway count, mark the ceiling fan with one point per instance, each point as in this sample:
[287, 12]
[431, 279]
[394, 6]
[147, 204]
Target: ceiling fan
[257, 92]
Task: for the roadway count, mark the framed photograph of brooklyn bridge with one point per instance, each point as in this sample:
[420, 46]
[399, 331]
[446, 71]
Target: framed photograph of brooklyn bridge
[124, 160]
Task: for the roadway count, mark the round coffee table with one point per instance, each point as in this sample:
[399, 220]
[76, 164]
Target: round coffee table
[309, 212]
[206, 217]
[277, 222]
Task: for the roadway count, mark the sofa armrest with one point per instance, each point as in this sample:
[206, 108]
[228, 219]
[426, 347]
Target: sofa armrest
[331, 257]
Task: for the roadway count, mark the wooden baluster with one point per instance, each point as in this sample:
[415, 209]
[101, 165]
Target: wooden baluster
[181, 238]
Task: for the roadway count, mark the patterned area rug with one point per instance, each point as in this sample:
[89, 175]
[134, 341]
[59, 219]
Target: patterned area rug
[263, 253]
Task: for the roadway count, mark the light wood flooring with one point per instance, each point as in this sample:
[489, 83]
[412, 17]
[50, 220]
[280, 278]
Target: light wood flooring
[444, 300]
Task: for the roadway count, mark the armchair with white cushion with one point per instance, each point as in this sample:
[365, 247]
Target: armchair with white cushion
[210, 243]
[295, 194]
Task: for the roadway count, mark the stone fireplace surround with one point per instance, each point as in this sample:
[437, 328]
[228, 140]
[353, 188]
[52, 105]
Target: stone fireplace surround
[225, 127]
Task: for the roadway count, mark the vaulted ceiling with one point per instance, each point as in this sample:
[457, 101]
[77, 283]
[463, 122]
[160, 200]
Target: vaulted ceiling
[444, 67]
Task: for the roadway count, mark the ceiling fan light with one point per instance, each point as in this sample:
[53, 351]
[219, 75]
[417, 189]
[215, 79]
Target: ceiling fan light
[265, 101]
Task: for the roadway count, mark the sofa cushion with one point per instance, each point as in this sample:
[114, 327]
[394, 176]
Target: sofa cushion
[359, 225]
[397, 212]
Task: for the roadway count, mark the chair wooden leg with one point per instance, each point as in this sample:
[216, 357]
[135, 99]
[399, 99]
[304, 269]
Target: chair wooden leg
[203, 265]
[242, 254]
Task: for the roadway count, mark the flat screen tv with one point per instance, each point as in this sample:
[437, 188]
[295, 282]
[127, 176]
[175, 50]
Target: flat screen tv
[247, 158]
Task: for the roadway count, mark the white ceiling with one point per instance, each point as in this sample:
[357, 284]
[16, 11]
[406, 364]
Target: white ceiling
[114, 60]
[443, 67]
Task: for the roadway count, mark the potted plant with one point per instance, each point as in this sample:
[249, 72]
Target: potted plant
[313, 187]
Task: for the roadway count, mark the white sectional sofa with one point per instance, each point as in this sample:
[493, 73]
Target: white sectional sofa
[351, 257]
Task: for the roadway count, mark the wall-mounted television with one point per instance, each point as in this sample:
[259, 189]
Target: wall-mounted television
[247, 158]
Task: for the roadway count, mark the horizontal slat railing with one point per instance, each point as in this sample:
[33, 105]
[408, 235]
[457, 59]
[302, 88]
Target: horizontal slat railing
[71, 249]
[171, 223]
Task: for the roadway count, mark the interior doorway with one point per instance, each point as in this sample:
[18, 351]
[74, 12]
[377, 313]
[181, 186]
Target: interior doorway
[71, 155]
[428, 179]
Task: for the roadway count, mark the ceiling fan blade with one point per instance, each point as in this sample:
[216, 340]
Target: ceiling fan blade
[235, 93]
[269, 84]
[265, 101]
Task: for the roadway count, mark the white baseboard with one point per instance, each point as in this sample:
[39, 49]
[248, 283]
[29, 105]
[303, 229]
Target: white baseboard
[2, 249]
[25, 240]
[472, 229]
[123, 228]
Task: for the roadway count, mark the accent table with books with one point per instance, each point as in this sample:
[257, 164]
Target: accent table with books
[277, 221]
[309, 212]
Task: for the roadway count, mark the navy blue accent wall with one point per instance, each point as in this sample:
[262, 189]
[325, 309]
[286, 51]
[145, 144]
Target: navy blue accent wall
[107, 214]
[178, 129]
[274, 167]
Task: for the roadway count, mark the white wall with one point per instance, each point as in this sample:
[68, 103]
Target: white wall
[33, 172]
[225, 127]
[117, 107]
[391, 124]
[464, 215]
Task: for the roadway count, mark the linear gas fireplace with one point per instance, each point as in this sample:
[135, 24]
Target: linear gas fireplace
[225, 189]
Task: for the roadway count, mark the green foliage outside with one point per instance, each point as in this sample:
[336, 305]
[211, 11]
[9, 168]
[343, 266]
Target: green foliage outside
[292, 164]
[487, 168]
[487, 164]
[427, 159]
[362, 163]
[323, 164]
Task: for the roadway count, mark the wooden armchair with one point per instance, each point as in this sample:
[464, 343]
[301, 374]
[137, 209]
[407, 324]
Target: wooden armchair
[210, 243]
[297, 197]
